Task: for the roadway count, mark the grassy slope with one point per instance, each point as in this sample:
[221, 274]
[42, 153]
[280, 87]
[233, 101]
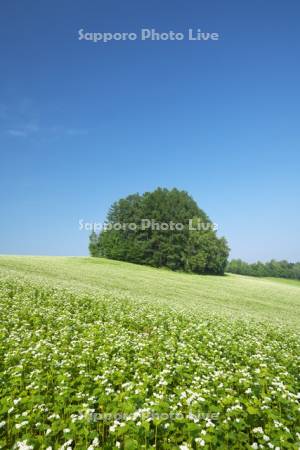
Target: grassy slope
[231, 295]
[285, 281]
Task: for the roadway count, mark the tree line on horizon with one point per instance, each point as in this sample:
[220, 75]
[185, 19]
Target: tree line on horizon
[191, 249]
[273, 268]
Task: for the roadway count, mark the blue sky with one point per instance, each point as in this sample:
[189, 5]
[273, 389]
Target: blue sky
[83, 124]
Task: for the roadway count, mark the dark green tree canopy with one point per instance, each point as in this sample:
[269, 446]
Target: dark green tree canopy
[273, 268]
[191, 246]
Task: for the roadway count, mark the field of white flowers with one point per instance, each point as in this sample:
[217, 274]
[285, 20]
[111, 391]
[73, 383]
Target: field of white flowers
[84, 366]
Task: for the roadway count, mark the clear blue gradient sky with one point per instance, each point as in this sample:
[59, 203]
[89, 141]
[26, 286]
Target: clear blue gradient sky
[84, 124]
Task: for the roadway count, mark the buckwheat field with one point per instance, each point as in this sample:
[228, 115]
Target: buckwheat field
[100, 354]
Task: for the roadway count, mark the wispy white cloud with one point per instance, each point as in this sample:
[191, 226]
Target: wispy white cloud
[76, 132]
[24, 131]
[16, 133]
[59, 130]
[22, 120]
[19, 119]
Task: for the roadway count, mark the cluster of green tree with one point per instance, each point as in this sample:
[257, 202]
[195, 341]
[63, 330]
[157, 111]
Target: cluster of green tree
[191, 248]
[278, 269]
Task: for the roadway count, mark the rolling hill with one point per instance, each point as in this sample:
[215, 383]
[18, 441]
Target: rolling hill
[99, 354]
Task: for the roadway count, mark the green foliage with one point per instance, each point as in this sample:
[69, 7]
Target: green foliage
[188, 249]
[277, 269]
[225, 295]
[85, 366]
[93, 245]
